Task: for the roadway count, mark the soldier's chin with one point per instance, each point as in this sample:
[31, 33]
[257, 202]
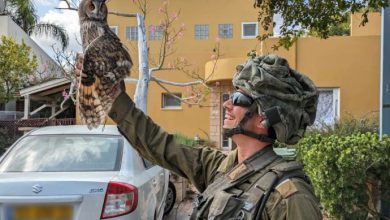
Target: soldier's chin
[228, 124]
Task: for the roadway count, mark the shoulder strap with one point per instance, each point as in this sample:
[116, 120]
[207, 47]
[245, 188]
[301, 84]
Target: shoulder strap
[277, 174]
[237, 175]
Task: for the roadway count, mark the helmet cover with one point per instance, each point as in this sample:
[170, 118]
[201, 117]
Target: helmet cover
[274, 85]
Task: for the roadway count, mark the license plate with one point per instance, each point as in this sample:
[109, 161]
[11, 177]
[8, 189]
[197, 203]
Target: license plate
[42, 212]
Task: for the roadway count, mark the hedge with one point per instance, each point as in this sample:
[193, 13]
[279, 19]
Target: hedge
[348, 172]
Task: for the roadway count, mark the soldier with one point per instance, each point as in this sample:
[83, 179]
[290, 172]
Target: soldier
[272, 102]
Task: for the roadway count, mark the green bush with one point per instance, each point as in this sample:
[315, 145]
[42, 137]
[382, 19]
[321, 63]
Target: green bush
[182, 139]
[5, 140]
[349, 125]
[345, 169]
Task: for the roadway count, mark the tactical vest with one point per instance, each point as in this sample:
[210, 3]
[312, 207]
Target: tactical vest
[243, 192]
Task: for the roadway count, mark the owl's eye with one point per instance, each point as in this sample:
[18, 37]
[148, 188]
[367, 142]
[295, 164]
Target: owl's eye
[91, 7]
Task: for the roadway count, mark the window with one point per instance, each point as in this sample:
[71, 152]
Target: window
[114, 29]
[64, 153]
[155, 32]
[226, 142]
[132, 33]
[170, 102]
[201, 31]
[328, 108]
[225, 31]
[249, 30]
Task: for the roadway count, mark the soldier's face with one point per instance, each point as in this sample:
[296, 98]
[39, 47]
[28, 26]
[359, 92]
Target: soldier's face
[236, 107]
[233, 114]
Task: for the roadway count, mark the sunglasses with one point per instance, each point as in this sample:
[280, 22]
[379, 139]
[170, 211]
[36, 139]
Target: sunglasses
[240, 99]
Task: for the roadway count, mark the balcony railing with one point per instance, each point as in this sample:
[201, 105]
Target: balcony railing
[13, 127]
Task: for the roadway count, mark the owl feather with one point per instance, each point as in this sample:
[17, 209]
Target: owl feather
[106, 63]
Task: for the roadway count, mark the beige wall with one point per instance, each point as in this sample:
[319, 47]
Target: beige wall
[373, 27]
[348, 63]
[351, 64]
[192, 120]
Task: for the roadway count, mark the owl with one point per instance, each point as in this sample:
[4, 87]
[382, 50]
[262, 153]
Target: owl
[106, 63]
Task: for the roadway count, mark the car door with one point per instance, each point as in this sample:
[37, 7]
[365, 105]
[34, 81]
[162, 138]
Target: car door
[159, 183]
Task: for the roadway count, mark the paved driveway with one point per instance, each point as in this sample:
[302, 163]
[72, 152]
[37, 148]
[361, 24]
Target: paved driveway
[181, 210]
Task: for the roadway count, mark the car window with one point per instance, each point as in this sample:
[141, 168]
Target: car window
[64, 153]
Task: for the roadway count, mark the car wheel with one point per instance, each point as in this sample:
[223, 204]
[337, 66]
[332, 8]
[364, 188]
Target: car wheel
[171, 198]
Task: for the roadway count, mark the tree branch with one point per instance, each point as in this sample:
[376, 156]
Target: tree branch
[158, 80]
[122, 14]
[185, 100]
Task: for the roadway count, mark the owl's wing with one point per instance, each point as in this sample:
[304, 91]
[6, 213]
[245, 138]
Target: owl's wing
[106, 64]
[107, 55]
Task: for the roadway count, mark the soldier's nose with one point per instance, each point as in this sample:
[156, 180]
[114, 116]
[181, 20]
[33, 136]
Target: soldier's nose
[228, 104]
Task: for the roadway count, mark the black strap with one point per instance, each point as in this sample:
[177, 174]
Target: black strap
[273, 116]
[240, 127]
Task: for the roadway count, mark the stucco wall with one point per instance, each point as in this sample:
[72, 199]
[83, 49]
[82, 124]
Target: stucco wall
[372, 28]
[349, 63]
[190, 120]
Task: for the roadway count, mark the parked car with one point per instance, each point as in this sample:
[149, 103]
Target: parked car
[71, 173]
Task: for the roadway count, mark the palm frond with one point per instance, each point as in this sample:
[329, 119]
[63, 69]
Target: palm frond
[53, 30]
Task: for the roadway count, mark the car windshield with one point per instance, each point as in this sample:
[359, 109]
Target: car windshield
[64, 153]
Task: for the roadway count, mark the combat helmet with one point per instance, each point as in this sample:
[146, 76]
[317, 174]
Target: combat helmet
[285, 98]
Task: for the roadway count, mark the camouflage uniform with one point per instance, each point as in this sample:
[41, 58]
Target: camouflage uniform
[232, 190]
[292, 200]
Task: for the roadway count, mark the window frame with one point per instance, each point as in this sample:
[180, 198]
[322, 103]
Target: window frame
[153, 35]
[335, 103]
[249, 37]
[225, 25]
[224, 97]
[201, 35]
[163, 106]
[129, 31]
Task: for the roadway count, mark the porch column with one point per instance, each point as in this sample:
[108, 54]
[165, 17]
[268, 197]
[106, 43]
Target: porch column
[26, 106]
[53, 108]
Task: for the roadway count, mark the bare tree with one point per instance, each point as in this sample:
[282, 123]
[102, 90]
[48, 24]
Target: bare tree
[169, 36]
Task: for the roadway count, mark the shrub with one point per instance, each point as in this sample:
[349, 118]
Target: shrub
[5, 140]
[182, 139]
[345, 169]
[349, 125]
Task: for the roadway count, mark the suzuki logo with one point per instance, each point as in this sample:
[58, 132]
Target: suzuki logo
[37, 188]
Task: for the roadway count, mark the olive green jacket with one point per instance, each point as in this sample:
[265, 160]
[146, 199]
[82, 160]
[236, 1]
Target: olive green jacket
[201, 165]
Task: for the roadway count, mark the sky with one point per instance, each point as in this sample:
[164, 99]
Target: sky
[66, 18]
[69, 20]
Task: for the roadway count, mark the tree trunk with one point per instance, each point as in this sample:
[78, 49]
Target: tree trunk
[141, 92]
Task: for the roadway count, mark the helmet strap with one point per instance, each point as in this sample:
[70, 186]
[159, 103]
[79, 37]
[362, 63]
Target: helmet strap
[240, 127]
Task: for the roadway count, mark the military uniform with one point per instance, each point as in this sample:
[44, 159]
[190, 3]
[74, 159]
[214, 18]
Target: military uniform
[230, 190]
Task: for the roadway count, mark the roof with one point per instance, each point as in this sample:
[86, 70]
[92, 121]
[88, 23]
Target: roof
[76, 129]
[44, 86]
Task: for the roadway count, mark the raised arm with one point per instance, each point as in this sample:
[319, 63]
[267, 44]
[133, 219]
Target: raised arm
[197, 164]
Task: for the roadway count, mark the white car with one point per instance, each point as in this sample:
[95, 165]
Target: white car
[71, 173]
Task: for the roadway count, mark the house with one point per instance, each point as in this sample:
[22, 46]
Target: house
[346, 69]
[30, 104]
